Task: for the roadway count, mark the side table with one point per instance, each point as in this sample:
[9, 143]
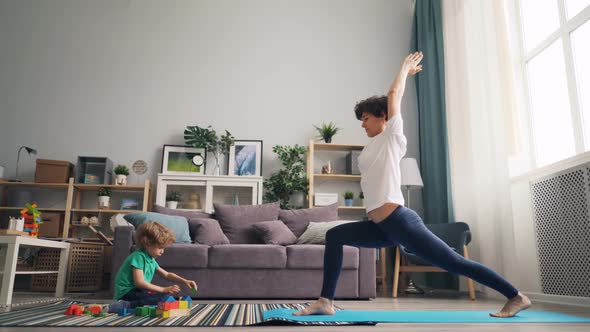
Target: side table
[11, 244]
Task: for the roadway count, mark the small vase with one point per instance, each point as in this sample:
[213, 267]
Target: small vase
[362, 202]
[121, 179]
[328, 139]
[103, 202]
[172, 204]
[348, 202]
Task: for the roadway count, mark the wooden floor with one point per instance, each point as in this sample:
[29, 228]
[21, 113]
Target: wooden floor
[404, 303]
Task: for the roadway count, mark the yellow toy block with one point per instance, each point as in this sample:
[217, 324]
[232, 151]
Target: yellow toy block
[173, 313]
[182, 304]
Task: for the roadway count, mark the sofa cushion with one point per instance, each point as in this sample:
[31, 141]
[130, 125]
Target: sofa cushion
[183, 213]
[177, 224]
[206, 231]
[274, 232]
[236, 221]
[316, 231]
[311, 256]
[251, 256]
[297, 220]
[184, 255]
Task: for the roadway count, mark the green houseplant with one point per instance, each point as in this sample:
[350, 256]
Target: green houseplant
[348, 196]
[290, 179]
[104, 197]
[327, 131]
[121, 172]
[362, 198]
[199, 137]
[172, 199]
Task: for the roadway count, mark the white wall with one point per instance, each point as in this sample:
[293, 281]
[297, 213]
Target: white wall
[122, 78]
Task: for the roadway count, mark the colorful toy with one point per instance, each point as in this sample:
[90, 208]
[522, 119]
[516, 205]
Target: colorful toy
[168, 307]
[78, 310]
[126, 311]
[32, 218]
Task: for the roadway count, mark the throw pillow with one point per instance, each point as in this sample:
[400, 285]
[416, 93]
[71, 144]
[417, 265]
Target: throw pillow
[297, 220]
[183, 213]
[274, 232]
[206, 231]
[176, 224]
[316, 231]
[236, 221]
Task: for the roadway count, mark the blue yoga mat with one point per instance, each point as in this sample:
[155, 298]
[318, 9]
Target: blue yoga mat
[356, 316]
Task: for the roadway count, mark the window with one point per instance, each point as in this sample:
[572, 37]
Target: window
[556, 58]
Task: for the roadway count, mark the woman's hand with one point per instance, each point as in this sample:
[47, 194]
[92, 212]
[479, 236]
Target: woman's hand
[171, 289]
[412, 63]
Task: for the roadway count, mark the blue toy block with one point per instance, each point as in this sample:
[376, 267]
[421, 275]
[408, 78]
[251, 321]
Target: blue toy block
[167, 298]
[126, 311]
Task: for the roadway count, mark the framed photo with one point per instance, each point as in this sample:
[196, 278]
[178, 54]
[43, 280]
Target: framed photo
[183, 160]
[245, 158]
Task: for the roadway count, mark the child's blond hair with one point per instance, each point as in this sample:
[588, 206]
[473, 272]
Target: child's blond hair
[153, 234]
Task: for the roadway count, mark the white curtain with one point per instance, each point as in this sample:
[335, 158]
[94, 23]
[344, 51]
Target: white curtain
[479, 103]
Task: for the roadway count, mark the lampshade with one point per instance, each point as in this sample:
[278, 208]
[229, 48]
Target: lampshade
[410, 173]
[31, 151]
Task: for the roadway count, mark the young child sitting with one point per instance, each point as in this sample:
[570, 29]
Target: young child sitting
[133, 285]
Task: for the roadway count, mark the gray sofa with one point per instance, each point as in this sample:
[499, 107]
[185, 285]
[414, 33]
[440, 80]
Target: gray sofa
[255, 270]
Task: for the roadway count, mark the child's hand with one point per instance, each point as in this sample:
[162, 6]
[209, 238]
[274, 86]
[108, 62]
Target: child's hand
[171, 289]
[190, 284]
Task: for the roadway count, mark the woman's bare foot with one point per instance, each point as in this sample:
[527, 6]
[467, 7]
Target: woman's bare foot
[513, 306]
[322, 306]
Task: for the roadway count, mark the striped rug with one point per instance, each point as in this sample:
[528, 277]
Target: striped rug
[201, 315]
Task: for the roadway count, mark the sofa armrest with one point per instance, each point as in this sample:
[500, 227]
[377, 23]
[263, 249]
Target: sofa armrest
[367, 274]
[123, 241]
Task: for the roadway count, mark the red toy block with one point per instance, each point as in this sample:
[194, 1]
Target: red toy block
[74, 310]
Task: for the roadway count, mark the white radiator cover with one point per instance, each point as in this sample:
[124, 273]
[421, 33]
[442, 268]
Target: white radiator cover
[561, 218]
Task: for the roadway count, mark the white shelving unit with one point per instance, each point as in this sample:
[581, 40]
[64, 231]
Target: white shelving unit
[211, 189]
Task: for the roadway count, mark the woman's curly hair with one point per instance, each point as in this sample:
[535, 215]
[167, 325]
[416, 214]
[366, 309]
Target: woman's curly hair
[376, 105]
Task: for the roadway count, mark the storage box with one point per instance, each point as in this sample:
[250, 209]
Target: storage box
[322, 199]
[85, 267]
[94, 170]
[352, 163]
[52, 225]
[53, 171]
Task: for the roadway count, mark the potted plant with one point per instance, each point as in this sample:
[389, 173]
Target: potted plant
[104, 196]
[289, 184]
[172, 199]
[207, 138]
[327, 131]
[362, 198]
[348, 196]
[121, 172]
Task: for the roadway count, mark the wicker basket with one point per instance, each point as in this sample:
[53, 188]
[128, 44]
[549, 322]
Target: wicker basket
[85, 268]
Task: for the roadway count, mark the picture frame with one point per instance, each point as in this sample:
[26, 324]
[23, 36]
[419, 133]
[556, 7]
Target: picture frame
[178, 160]
[245, 158]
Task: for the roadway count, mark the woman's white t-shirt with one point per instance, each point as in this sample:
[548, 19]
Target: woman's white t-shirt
[379, 165]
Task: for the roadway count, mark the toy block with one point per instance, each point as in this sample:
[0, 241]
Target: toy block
[86, 312]
[142, 311]
[167, 298]
[73, 310]
[94, 308]
[182, 304]
[102, 314]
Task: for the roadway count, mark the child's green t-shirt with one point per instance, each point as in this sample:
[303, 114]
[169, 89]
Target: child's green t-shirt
[138, 259]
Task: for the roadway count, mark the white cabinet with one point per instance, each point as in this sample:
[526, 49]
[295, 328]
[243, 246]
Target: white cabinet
[200, 192]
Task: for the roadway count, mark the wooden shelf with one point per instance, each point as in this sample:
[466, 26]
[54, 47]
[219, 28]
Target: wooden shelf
[38, 208]
[337, 177]
[80, 225]
[114, 187]
[104, 211]
[336, 147]
[34, 184]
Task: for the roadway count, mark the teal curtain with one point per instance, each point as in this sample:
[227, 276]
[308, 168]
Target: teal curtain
[430, 86]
